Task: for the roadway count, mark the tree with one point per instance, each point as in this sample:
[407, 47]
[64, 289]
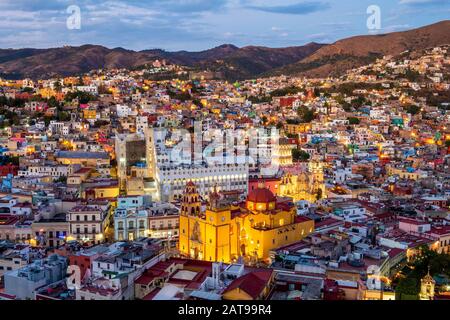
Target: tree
[412, 109]
[63, 116]
[53, 103]
[181, 96]
[57, 86]
[83, 97]
[305, 115]
[347, 107]
[285, 91]
[427, 259]
[299, 155]
[62, 179]
[259, 99]
[47, 120]
[412, 75]
[27, 89]
[353, 120]
[407, 289]
[359, 102]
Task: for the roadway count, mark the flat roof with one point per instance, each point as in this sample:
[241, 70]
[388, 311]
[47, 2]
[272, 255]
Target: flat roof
[82, 154]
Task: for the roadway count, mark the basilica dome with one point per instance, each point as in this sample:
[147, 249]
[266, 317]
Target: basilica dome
[261, 199]
[261, 195]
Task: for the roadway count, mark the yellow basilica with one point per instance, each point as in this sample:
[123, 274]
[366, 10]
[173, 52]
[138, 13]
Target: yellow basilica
[228, 232]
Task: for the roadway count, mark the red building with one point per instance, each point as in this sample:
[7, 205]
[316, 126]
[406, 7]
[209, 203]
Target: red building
[287, 101]
[331, 290]
[270, 183]
[82, 261]
[8, 169]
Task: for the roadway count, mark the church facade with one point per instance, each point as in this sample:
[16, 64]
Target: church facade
[250, 230]
[308, 185]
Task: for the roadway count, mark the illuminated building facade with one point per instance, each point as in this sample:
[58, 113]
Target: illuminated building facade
[249, 230]
[134, 155]
[88, 223]
[308, 186]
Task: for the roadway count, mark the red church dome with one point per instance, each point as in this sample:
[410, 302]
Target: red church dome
[261, 195]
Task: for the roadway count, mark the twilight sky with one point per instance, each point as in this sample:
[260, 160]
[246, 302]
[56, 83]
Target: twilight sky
[201, 24]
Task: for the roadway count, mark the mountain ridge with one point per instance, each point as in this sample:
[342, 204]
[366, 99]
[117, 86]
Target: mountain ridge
[73, 60]
[348, 53]
[312, 59]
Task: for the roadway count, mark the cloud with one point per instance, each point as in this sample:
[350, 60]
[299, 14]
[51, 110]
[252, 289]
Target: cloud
[193, 24]
[134, 24]
[423, 3]
[191, 5]
[300, 8]
[397, 27]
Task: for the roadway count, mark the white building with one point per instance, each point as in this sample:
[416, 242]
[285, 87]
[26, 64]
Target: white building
[136, 217]
[49, 170]
[171, 182]
[88, 222]
[92, 89]
[59, 128]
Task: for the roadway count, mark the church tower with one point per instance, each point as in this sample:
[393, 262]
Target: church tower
[427, 285]
[317, 181]
[191, 231]
[286, 186]
[191, 204]
[214, 199]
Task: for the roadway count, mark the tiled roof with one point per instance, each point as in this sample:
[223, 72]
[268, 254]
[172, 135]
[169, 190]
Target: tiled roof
[252, 283]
